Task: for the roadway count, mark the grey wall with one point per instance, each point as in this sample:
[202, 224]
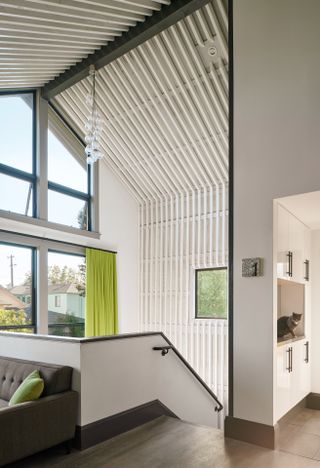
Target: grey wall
[276, 153]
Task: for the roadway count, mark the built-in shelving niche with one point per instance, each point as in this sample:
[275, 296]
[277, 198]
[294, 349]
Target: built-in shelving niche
[291, 298]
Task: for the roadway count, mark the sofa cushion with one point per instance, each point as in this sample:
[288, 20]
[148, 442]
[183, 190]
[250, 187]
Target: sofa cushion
[56, 378]
[3, 403]
[30, 389]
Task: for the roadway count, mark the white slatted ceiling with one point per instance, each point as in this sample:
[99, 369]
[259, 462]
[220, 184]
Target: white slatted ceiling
[165, 108]
[40, 39]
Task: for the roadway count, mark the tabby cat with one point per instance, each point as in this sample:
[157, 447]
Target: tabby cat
[287, 325]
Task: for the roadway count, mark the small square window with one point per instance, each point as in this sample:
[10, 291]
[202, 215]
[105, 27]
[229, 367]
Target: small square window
[211, 290]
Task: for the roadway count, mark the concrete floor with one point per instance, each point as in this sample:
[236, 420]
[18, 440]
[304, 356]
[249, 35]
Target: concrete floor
[300, 434]
[170, 443]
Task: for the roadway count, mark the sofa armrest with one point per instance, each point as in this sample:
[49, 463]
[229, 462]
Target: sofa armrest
[30, 427]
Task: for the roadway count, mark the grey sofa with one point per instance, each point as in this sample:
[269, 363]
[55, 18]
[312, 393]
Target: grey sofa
[30, 427]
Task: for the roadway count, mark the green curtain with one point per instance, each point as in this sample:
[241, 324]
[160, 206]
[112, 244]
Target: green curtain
[101, 293]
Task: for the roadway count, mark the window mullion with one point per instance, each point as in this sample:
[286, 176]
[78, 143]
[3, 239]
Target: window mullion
[42, 290]
[42, 158]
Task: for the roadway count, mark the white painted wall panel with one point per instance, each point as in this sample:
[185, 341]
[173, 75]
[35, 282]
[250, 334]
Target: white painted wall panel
[120, 374]
[276, 141]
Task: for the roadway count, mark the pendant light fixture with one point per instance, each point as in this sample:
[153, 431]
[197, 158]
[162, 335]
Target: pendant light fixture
[93, 126]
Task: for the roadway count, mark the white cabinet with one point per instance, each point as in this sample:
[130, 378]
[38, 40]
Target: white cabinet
[293, 249]
[283, 389]
[293, 375]
[305, 368]
[296, 247]
[282, 242]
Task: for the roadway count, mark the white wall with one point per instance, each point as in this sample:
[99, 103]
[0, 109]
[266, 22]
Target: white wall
[276, 153]
[119, 218]
[315, 307]
[120, 374]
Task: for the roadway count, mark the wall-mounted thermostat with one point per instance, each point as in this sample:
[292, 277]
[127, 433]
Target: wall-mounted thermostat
[252, 267]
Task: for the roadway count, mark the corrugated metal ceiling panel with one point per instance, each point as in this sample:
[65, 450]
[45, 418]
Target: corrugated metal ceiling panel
[165, 108]
[40, 39]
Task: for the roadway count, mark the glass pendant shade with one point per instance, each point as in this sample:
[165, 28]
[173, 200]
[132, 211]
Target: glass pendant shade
[93, 125]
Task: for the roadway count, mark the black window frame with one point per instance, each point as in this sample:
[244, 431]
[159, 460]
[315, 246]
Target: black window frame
[33, 326]
[17, 173]
[201, 317]
[63, 189]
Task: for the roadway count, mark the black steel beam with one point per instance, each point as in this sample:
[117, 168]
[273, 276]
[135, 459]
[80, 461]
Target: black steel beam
[136, 35]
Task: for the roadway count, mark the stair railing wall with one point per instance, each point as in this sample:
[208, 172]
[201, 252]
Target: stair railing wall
[179, 234]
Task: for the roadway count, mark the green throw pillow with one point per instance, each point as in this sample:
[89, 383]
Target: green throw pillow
[29, 390]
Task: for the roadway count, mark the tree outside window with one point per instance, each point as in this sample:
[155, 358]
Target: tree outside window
[211, 293]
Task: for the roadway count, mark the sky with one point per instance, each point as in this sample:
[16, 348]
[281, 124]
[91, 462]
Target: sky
[16, 151]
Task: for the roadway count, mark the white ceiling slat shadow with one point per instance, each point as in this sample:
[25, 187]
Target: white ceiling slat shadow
[53, 35]
[165, 108]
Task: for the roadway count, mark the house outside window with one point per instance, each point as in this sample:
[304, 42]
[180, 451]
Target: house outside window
[57, 301]
[66, 294]
[17, 278]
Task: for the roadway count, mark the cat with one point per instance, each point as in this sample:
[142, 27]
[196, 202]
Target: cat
[287, 325]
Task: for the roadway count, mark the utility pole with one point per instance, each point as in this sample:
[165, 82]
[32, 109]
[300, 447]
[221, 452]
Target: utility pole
[12, 265]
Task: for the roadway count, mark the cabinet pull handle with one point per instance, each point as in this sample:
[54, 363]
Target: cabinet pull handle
[306, 359]
[288, 269]
[307, 264]
[289, 255]
[291, 353]
[288, 361]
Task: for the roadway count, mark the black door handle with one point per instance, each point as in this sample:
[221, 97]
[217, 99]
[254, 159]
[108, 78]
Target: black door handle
[289, 255]
[306, 359]
[306, 275]
[289, 368]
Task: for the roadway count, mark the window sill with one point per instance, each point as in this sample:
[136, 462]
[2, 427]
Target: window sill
[35, 226]
[210, 318]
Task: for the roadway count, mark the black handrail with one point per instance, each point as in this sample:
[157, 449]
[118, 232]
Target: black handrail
[194, 373]
[164, 349]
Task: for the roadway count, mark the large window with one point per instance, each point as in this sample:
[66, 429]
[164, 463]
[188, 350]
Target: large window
[17, 154]
[66, 294]
[211, 293]
[69, 191]
[67, 182]
[17, 299]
